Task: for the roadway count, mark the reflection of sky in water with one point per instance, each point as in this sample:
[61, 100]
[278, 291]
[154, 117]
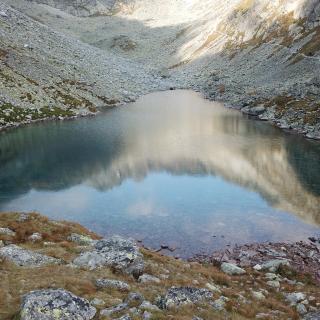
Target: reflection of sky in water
[194, 213]
[171, 167]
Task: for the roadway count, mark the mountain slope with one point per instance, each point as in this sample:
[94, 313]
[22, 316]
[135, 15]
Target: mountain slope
[256, 55]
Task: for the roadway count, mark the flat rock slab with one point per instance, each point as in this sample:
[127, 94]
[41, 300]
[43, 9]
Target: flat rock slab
[55, 304]
[176, 297]
[26, 258]
[117, 253]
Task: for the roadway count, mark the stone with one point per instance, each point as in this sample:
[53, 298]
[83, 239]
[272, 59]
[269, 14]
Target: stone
[35, 237]
[112, 284]
[97, 302]
[273, 265]
[54, 304]
[26, 258]
[314, 315]
[295, 297]
[118, 253]
[125, 317]
[147, 305]
[3, 14]
[145, 278]
[213, 287]
[147, 315]
[81, 240]
[220, 303]
[7, 232]
[134, 298]
[258, 295]
[232, 269]
[254, 111]
[273, 284]
[178, 296]
[257, 267]
[110, 311]
[301, 309]
[1, 244]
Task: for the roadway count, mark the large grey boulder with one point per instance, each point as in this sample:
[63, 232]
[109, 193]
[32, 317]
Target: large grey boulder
[274, 265]
[232, 269]
[117, 253]
[53, 304]
[26, 258]
[176, 297]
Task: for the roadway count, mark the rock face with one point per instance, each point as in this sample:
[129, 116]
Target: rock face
[26, 258]
[117, 253]
[55, 304]
[176, 297]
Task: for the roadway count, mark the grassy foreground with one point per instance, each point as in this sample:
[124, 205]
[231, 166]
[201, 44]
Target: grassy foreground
[16, 281]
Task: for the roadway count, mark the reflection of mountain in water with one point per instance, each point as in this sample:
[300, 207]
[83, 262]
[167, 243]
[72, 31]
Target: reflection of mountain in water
[175, 132]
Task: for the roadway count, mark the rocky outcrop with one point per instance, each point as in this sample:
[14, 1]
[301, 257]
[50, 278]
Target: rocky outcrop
[26, 258]
[176, 297]
[54, 304]
[117, 253]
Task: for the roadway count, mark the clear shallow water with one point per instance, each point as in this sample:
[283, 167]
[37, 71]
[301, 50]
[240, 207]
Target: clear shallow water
[171, 169]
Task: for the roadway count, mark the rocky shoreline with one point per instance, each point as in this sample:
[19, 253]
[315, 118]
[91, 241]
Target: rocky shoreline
[60, 270]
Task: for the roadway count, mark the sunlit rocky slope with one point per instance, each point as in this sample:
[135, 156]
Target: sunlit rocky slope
[60, 58]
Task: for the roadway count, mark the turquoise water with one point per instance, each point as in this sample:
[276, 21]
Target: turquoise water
[170, 169]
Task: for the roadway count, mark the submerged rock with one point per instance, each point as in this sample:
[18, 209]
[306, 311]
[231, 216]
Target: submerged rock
[117, 253]
[232, 269]
[53, 304]
[26, 258]
[176, 297]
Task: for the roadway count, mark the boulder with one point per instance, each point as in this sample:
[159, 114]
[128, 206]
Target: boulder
[81, 240]
[7, 232]
[112, 284]
[176, 297]
[220, 303]
[26, 258]
[145, 278]
[35, 237]
[232, 269]
[134, 298]
[147, 305]
[295, 297]
[120, 254]
[314, 315]
[115, 309]
[55, 304]
[273, 265]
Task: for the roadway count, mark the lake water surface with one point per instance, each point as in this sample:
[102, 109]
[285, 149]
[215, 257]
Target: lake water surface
[171, 169]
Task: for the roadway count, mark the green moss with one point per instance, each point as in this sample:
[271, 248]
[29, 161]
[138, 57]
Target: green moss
[11, 113]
